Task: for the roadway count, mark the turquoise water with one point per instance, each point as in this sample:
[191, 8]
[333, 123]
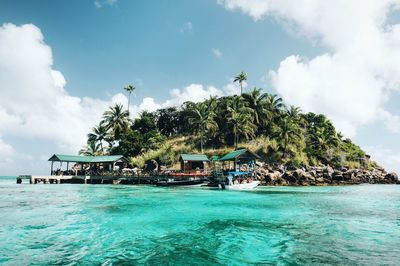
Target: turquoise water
[105, 224]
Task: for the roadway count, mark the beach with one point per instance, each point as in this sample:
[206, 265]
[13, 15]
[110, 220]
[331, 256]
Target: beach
[106, 224]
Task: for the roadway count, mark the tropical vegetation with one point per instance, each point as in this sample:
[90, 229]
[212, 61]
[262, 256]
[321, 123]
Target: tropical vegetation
[255, 119]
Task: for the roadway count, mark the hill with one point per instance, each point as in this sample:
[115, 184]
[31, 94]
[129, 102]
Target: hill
[280, 134]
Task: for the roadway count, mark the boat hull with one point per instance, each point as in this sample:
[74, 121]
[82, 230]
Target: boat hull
[244, 186]
[179, 183]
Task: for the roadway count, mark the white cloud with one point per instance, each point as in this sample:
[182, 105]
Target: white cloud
[353, 80]
[217, 52]
[34, 106]
[149, 104]
[7, 153]
[392, 122]
[387, 157]
[193, 92]
[186, 27]
[33, 102]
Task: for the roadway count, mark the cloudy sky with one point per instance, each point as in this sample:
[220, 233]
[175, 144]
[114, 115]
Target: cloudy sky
[63, 63]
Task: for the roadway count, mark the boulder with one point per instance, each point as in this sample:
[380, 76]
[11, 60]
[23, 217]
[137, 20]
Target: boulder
[392, 177]
[289, 176]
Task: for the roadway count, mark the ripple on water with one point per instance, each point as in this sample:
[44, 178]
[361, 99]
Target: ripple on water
[125, 225]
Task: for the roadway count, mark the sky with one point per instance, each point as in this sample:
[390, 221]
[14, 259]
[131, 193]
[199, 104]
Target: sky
[62, 63]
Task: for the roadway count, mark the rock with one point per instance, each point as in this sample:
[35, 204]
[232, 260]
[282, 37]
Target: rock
[337, 176]
[392, 177]
[322, 175]
[289, 176]
[329, 170]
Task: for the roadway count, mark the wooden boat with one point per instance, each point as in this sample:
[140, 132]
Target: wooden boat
[171, 182]
[188, 174]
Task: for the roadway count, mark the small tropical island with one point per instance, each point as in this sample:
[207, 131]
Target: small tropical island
[293, 148]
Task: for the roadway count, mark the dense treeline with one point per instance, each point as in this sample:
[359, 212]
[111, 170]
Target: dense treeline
[286, 134]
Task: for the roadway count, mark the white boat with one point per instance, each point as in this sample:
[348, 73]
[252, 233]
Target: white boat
[246, 185]
[243, 186]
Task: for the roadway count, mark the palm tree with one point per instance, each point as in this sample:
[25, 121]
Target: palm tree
[98, 135]
[274, 103]
[202, 118]
[245, 126]
[91, 149]
[289, 132]
[326, 138]
[129, 89]
[258, 102]
[116, 121]
[241, 117]
[294, 113]
[241, 78]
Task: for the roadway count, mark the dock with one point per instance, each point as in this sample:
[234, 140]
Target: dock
[72, 179]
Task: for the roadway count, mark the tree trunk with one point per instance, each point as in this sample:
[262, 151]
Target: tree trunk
[201, 140]
[129, 100]
[235, 137]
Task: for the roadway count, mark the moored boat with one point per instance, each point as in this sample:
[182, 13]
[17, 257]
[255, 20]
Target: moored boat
[239, 181]
[243, 186]
[187, 182]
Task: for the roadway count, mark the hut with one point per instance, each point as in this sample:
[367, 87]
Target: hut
[105, 162]
[242, 158]
[193, 162]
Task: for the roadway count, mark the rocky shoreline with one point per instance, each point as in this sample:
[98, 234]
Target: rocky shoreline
[323, 176]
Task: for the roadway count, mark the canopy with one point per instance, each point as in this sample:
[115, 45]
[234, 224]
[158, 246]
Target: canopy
[86, 159]
[243, 154]
[194, 157]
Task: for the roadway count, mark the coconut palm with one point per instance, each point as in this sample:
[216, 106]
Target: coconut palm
[289, 133]
[245, 126]
[98, 135]
[203, 118]
[326, 138]
[116, 121]
[129, 89]
[241, 117]
[274, 103]
[294, 113]
[241, 78]
[258, 102]
[91, 149]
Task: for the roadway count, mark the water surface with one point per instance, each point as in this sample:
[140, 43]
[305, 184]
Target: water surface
[106, 224]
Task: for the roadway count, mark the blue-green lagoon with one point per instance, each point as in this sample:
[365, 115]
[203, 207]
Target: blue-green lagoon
[106, 224]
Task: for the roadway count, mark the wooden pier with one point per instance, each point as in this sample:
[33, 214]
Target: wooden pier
[60, 179]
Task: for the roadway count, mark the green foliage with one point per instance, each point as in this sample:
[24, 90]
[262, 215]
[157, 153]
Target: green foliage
[255, 120]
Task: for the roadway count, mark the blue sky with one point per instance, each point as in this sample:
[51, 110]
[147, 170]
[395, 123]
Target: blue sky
[98, 50]
[99, 46]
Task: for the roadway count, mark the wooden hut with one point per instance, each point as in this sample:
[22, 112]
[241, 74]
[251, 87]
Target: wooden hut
[106, 162]
[193, 162]
[242, 157]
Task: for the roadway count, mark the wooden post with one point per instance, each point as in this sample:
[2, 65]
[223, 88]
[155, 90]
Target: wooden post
[51, 173]
[67, 165]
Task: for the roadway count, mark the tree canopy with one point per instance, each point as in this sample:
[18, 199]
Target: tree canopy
[285, 135]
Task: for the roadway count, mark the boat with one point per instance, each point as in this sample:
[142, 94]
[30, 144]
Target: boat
[243, 186]
[187, 182]
[242, 181]
[194, 174]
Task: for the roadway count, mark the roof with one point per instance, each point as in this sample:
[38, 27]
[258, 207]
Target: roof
[194, 157]
[243, 153]
[85, 159]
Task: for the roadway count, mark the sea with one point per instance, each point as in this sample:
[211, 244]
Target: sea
[75, 224]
